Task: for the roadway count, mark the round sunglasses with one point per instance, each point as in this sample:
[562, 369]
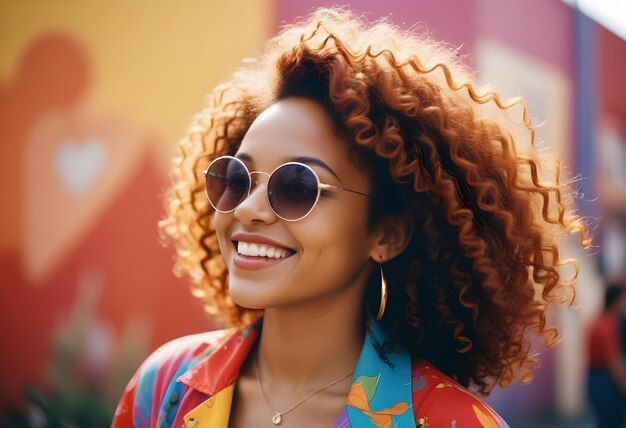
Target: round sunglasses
[293, 188]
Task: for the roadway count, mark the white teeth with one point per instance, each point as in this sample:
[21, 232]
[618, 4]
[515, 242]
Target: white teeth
[253, 250]
[260, 250]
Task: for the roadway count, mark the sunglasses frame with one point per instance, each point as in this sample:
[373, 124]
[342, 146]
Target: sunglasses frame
[320, 186]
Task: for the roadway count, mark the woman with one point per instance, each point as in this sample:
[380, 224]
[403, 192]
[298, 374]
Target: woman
[607, 372]
[373, 230]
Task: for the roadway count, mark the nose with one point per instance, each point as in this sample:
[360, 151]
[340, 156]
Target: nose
[255, 207]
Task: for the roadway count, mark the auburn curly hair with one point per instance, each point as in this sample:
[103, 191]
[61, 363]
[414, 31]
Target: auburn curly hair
[483, 265]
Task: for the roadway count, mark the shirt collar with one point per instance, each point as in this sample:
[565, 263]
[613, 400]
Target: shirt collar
[221, 367]
[381, 389]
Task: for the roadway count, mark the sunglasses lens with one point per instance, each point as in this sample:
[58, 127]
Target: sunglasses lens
[227, 183]
[292, 191]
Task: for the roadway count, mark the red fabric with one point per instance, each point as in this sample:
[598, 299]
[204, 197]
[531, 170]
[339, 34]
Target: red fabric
[230, 357]
[604, 343]
[439, 401]
[124, 413]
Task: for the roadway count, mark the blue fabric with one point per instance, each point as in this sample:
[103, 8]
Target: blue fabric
[606, 399]
[386, 383]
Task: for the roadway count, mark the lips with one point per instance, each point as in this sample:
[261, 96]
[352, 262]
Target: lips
[257, 251]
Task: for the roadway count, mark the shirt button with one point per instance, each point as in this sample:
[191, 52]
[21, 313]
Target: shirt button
[209, 402]
[174, 398]
[167, 407]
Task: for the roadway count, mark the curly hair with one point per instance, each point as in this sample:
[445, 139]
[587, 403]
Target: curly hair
[482, 268]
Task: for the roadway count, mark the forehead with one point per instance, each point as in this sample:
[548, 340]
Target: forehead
[294, 127]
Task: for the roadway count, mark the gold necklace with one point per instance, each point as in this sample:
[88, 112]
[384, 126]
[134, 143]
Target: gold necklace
[278, 416]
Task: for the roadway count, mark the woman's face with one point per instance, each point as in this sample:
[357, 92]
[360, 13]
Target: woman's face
[326, 253]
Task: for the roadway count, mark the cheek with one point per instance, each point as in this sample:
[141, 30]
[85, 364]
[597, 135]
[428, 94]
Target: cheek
[339, 242]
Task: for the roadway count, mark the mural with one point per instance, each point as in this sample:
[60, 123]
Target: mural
[93, 98]
[86, 289]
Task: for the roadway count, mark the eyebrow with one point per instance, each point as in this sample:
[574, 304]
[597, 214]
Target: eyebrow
[302, 159]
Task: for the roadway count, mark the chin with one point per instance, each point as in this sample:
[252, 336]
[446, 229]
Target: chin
[248, 298]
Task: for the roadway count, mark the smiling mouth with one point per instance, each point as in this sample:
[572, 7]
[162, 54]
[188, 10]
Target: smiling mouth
[262, 251]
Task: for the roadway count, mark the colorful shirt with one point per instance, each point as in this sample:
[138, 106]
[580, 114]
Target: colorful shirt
[190, 383]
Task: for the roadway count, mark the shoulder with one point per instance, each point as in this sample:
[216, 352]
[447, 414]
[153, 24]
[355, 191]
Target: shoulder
[440, 401]
[157, 374]
[172, 354]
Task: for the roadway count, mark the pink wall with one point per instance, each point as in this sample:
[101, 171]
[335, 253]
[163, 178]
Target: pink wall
[543, 29]
[612, 74]
[449, 20]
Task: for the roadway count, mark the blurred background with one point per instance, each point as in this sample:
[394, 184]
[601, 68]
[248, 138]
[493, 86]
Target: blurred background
[93, 99]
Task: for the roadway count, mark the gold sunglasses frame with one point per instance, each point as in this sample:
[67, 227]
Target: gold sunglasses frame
[320, 186]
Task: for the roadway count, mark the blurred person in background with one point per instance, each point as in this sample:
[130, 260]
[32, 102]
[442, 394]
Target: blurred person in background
[607, 365]
[375, 231]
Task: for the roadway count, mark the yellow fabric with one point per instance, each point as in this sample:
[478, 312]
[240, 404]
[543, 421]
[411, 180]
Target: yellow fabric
[213, 412]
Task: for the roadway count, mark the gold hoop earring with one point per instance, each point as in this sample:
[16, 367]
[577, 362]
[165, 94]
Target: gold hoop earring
[383, 291]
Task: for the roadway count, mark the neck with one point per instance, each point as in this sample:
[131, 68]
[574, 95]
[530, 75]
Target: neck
[312, 343]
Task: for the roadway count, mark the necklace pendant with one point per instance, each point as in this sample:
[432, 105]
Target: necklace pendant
[276, 418]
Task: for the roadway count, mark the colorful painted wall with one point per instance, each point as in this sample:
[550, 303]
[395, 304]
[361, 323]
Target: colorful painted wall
[93, 98]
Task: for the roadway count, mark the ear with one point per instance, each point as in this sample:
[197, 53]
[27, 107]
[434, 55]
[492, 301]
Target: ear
[394, 233]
